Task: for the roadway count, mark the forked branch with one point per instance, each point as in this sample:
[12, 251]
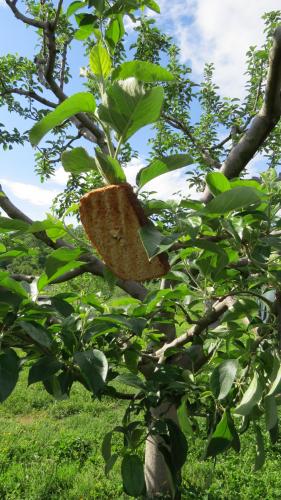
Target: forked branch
[210, 317]
[263, 123]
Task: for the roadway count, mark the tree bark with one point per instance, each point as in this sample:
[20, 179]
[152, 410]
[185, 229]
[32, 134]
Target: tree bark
[158, 478]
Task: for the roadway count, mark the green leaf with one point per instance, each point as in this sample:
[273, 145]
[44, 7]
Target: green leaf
[136, 325]
[275, 387]
[122, 6]
[223, 377]
[260, 453]
[98, 4]
[12, 285]
[251, 397]
[84, 32]
[9, 373]
[183, 419]
[73, 7]
[217, 182]
[245, 182]
[234, 199]
[161, 166]
[7, 225]
[143, 71]
[222, 437]
[106, 446]
[37, 333]
[151, 4]
[54, 386]
[62, 306]
[93, 365]
[130, 379]
[115, 31]
[59, 258]
[77, 103]
[43, 369]
[44, 280]
[155, 242]
[110, 463]
[77, 161]
[219, 259]
[100, 61]
[129, 107]
[111, 168]
[274, 434]
[271, 413]
[178, 444]
[132, 475]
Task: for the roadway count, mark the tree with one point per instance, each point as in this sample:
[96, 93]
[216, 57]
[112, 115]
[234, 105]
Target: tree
[203, 343]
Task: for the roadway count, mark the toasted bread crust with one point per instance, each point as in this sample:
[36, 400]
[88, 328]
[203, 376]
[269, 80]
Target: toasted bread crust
[112, 216]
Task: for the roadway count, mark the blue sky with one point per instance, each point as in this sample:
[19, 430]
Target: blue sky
[206, 30]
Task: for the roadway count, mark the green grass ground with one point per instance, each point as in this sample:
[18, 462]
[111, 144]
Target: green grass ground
[51, 450]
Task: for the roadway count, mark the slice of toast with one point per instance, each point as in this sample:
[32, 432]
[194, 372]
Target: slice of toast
[112, 216]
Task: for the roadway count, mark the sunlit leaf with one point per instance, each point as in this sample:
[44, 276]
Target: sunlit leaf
[160, 166]
[142, 70]
[77, 103]
[111, 168]
[100, 61]
[77, 161]
[223, 377]
[94, 366]
[233, 199]
[251, 397]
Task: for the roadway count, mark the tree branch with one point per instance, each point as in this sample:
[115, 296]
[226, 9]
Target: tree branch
[88, 128]
[58, 13]
[22, 277]
[93, 264]
[31, 94]
[263, 123]
[210, 317]
[27, 20]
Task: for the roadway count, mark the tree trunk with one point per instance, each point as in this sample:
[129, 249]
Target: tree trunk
[159, 481]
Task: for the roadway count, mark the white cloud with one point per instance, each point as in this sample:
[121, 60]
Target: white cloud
[60, 177]
[217, 31]
[129, 24]
[35, 195]
[166, 185]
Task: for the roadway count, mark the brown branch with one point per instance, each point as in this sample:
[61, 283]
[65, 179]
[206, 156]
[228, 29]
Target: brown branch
[210, 317]
[27, 20]
[88, 128]
[219, 145]
[23, 277]
[31, 94]
[263, 123]
[63, 66]
[58, 11]
[93, 264]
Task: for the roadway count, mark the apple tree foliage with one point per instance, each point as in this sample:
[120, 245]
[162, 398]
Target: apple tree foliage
[206, 338]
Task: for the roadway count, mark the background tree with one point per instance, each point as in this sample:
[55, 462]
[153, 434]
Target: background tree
[203, 344]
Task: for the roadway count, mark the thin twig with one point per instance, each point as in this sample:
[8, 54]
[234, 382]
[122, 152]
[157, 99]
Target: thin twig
[203, 151]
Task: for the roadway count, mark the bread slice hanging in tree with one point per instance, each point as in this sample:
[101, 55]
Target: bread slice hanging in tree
[112, 217]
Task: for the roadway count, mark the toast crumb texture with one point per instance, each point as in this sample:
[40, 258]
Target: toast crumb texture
[112, 216]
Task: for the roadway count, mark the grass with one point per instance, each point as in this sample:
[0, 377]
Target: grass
[51, 450]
